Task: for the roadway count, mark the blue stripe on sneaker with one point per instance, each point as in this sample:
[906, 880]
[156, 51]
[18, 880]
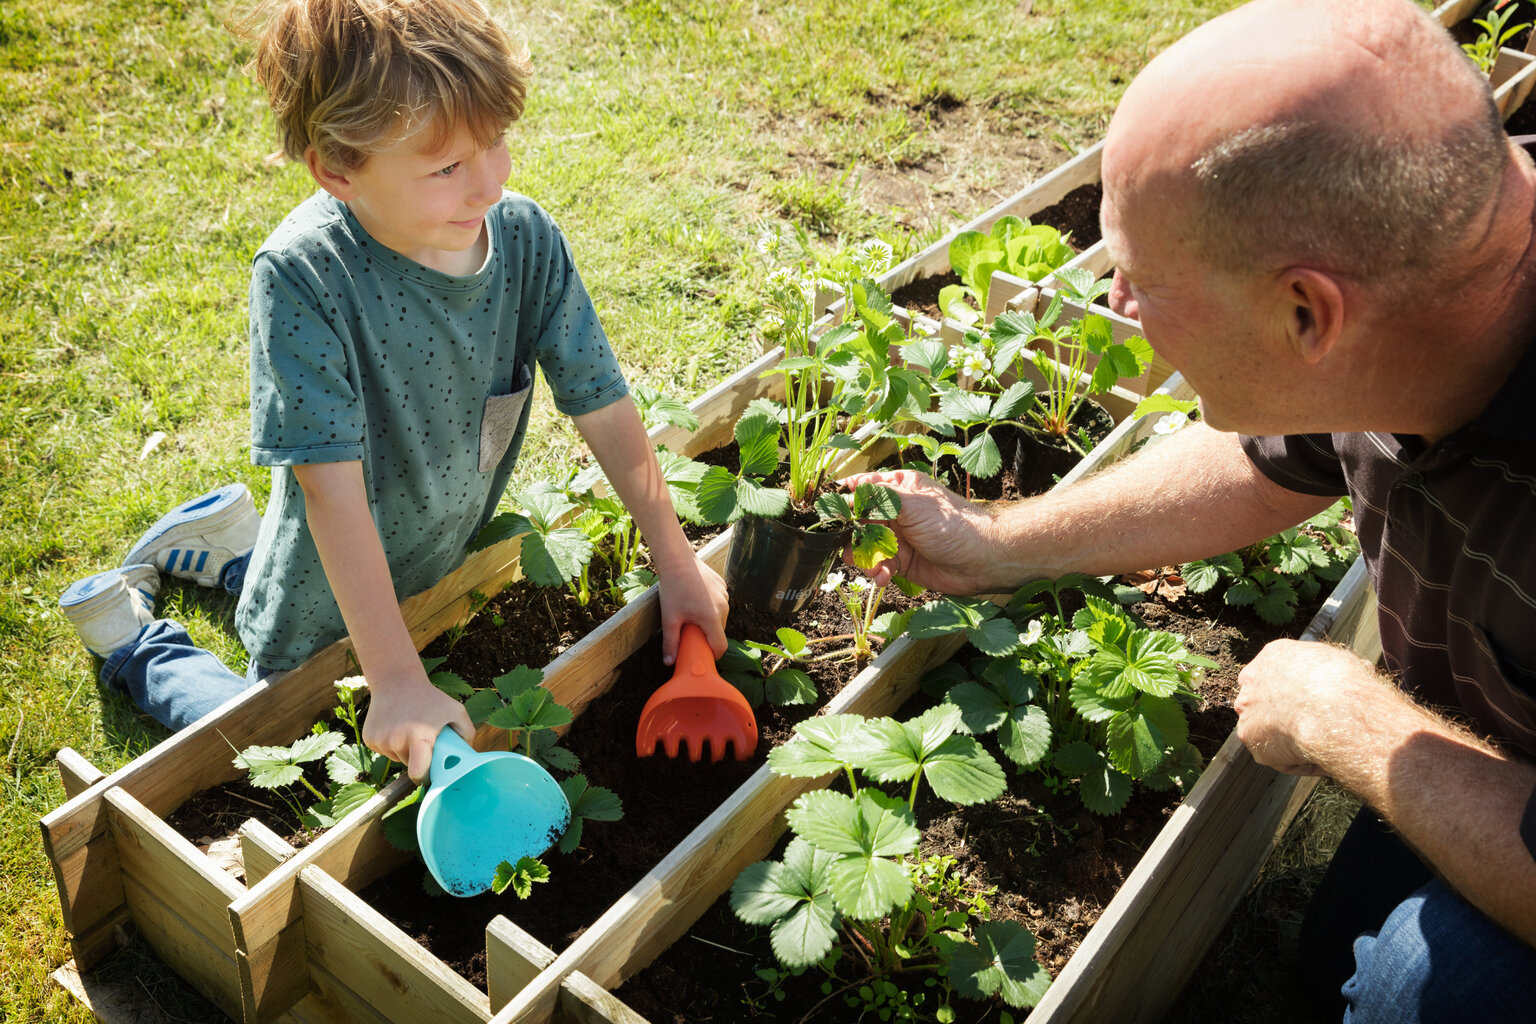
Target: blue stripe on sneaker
[170, 561]
[202, 559]
[186, 560]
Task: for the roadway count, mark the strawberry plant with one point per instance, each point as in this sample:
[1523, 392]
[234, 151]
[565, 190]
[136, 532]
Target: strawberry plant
[850, 878]
[353, 772]
[1095, 696]
[1273, 576]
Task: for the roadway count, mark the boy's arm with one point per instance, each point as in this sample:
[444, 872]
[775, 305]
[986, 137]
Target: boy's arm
[406, 711]
[690, 590]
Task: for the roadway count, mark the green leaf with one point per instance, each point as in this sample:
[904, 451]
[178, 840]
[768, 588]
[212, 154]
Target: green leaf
[481, 704]
[715, 496]
[350, 797]
[1014, 402]
[519, 877]
[1242, 593]
[1000, 962]
[982, 709]
[964, 247]
[1134, 745]
[519, 679]
[534, 708]
[810, 754]
[452, 684]
[555, 558]
[1093, 704]
[756, 500]
[965, 408]
[873, 824]
[757, 440]
[790, 686]
[1105, 790]
[349, 763]
[996, 638]
[269, 767]
[794, 897]
[948, 615]
[873, 543]
[876, 501]
[1077, 758]
[399, 822]
[957, 768]
[1025, 736]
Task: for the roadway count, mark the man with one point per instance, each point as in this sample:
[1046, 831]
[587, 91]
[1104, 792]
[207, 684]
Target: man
[1318, 219]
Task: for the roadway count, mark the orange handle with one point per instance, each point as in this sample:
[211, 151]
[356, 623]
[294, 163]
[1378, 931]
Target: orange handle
[694, 656]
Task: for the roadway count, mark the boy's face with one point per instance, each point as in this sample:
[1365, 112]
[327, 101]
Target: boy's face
[427, 202]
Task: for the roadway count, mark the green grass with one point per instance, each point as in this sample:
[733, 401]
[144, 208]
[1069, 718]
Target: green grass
[134, 187]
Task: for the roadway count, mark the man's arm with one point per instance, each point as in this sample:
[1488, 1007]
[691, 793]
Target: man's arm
[405, 711]
[690, 590]
[1312, 708]
[1190, 496]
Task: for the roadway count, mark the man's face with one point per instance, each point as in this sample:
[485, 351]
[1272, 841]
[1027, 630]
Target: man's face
[1200, 321]
[428, 202]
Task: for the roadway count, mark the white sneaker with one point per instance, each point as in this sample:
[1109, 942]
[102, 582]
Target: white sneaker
[109, 608]
[196, 539]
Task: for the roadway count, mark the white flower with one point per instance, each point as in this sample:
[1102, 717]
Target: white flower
[834, 580]
[768, 243]
[974, 362]
[781, 277]
[1170, 423]
[875, 255]
[1032, 632]
[859, 584]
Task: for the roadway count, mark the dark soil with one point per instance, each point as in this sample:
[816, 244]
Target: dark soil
[664, 800]
[1076, 215]
[1055, 867]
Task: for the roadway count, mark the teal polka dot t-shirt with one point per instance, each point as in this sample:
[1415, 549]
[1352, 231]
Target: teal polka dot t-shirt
[360, 354]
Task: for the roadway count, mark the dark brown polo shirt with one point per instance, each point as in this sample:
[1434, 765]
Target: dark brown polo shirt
[1448, 532]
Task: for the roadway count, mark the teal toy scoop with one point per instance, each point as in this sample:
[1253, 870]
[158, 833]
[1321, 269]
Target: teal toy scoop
[484, 808]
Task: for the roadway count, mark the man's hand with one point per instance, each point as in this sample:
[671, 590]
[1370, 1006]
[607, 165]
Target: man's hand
[1297, 700]
[691, 592]
[942, 538]
[404, 717]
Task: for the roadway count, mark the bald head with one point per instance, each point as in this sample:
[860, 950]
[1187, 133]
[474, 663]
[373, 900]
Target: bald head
[1354, 137]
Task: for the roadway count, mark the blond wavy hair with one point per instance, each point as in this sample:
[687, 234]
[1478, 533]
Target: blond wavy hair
[351, 77]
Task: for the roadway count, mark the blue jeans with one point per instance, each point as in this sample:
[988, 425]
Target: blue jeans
[170, 677]
[1437, 958]
[1385, 942]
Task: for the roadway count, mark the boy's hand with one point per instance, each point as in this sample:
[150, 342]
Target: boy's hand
[404, 718]
[691, 592]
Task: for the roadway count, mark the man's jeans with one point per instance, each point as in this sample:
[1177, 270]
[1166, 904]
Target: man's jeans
[1411, 949]
[170, 677]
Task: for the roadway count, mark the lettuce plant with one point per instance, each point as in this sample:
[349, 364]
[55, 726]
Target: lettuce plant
[1014, 246]
[851, 879]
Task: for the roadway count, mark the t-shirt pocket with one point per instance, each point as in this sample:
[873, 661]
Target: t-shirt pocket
[498, 423]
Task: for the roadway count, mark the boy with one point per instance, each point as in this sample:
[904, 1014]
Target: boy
[394, 316]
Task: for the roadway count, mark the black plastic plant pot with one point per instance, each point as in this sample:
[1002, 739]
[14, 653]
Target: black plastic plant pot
[1040, 460]
[777, 569]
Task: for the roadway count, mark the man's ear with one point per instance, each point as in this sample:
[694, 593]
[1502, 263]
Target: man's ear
[1315, 313]
[337, 185]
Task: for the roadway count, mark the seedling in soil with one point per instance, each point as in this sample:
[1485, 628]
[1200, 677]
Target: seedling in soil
[354, 772]
[517, 703]
[766, 672]
[1496, 31]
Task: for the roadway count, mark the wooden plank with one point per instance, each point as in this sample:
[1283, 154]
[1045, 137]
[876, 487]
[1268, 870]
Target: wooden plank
[90, 886]
[583, 1001]
[1512, 77]
[513, 958]
[183, 947]
[663, 905]
[76, 772]
[276, 976]
[105, 938]
[155, 857]
[338, 1004]
[261, 851]
[198, 756]
[364, 951]
[121, 1000]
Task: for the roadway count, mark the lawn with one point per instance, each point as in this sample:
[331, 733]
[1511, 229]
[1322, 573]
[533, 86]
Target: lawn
[665, 137]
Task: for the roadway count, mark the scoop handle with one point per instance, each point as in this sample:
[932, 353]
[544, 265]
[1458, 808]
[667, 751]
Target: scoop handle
[451, 757]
